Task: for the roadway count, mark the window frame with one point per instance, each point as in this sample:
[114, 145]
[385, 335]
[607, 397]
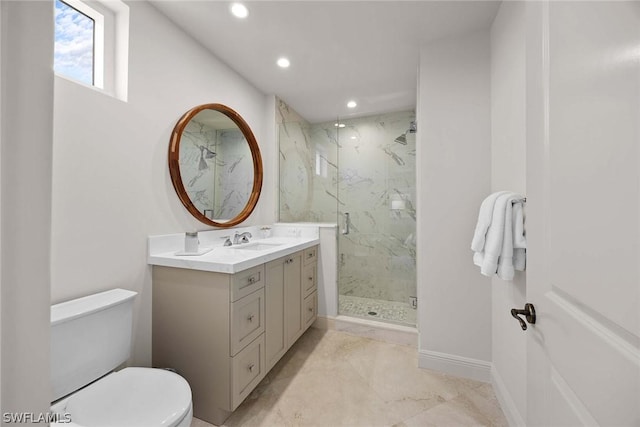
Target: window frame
[98, 40]
[111, 45]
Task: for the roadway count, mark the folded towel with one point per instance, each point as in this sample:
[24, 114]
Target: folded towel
[505, 262]
[498, 242]
[519, 239]
[484, 221]
[495, 236]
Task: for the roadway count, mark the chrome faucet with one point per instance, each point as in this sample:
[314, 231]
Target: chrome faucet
[241, 238]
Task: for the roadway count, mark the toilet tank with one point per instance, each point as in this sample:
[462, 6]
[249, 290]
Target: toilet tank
[90, 336]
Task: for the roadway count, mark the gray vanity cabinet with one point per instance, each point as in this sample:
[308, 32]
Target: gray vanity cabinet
[209, 327]
[291, 298]
[224, 332]
[284, 311]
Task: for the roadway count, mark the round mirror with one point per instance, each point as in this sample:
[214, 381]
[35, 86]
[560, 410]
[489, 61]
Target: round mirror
[215, 165]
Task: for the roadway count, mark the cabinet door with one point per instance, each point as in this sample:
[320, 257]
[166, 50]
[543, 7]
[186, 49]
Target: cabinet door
[309, 282]
[247, 320]
[310, 309]
[293, 297]
[275, 342]
[247, 370]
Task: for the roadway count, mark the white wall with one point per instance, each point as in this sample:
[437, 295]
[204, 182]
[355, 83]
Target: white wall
[453, 175]
[111, 184]
[508, 172]
[26, 56]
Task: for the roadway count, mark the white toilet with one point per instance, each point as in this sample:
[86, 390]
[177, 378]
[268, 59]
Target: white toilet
[90, 337]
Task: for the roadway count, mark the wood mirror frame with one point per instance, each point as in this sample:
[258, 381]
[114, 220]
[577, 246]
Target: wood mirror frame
[174, 164]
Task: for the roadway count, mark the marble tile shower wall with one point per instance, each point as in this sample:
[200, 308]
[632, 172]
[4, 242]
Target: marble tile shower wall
[308, 169]
[234, 173]
[373, 181]
[377, 188]
[217, 186]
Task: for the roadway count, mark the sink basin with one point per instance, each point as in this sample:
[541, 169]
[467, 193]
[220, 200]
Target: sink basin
[257, 246]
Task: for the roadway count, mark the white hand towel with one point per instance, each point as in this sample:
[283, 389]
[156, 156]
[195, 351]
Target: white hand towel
[519, 239]
[519, 259]
[505, 262]
[484, 221]
[495, 235]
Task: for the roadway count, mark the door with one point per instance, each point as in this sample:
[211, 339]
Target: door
[376, 213]
[275, 342]
[293, 298]
[583, 215]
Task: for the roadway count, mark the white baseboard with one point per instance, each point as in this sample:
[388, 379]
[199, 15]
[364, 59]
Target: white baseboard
[506, 401]
[465, 367]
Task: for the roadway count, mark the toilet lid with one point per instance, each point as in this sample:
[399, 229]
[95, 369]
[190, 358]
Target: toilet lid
[132, 397]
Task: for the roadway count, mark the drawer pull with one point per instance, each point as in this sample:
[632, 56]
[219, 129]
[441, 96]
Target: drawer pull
[310, 309]
[251, 367]
[310, 255]
[249, 281]
[250, 317]
[311, 278]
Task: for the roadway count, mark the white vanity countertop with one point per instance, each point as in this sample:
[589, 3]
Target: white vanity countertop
[231, 259]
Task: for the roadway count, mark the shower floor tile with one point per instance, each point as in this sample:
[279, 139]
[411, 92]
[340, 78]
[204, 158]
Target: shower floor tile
[385, 311]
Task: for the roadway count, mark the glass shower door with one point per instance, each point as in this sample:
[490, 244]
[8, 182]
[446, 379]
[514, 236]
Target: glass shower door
[376, 217]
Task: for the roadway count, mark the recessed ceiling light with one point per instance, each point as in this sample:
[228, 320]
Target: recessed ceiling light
[339, 125]
[352, 104]
[239, 10]
[283, 62]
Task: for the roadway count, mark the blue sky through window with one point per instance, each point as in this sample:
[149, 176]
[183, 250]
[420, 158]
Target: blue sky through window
[73, 54]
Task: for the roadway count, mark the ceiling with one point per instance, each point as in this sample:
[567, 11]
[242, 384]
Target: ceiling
[367, 51]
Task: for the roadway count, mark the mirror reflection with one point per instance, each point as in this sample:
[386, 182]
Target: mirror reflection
[216, 165]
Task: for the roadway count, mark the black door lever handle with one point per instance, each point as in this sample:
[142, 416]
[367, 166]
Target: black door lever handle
[529, 312]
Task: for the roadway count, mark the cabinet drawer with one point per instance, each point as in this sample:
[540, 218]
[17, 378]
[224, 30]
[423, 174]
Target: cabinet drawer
[310, 309]
[248, 369]
[310, 255]
[247, 320]
[309, 282]
[246, 282]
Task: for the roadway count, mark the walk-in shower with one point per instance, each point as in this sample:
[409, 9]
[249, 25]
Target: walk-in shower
[356, 173]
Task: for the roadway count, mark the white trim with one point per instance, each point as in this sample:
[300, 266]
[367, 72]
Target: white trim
[507, 404]
[460, 366]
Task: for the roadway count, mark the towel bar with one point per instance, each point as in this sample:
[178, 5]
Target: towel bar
[523, 200]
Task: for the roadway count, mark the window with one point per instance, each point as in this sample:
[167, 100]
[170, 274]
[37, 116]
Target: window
[79, 38]
[92, 44]
[321, 161]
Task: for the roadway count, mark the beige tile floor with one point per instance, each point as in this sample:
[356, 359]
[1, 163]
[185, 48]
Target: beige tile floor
[330, 378]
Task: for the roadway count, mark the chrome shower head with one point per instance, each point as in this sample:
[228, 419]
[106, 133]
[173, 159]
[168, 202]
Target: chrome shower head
[209, 155]
[402, 139]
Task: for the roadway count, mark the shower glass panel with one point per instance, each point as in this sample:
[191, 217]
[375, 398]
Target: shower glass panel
[363, 170]
[377, 217]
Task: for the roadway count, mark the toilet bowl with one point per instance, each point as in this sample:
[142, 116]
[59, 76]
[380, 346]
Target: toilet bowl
[132, 397]
[90, 337]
